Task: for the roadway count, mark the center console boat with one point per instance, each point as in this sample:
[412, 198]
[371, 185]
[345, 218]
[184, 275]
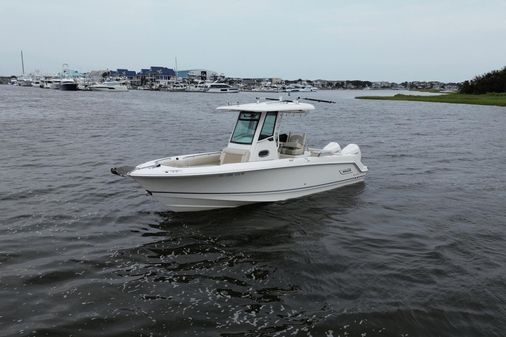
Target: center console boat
[259, 164]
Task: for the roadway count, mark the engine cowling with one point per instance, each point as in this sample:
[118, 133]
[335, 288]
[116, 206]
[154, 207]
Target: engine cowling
[352, 149]
[331, 148]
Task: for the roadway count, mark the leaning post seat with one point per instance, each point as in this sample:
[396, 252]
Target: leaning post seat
[230, 155]
[294, 145]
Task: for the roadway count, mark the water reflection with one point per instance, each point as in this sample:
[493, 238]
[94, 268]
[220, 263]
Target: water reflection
[233, 266]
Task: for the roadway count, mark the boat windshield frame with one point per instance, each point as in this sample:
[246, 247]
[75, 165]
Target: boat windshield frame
[245, 127]
[268, 126]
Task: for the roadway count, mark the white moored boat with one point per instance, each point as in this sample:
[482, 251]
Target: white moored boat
[221, 88]
[114, 86]
[68, 84]
[259, 164]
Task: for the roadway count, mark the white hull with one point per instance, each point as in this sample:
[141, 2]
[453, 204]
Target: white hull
[115, 88]
[220, 88]
[195, 89]
[239, 184]
[222, 91]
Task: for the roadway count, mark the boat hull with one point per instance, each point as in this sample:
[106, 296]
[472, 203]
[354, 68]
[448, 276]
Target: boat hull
[233, 189]
[68, 86]
[121, 88]
[222, 91]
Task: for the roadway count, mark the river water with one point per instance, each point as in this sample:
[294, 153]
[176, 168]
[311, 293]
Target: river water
[417, 250]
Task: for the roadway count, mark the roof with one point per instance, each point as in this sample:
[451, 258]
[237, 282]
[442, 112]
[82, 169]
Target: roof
[269, 106]
[163, 71]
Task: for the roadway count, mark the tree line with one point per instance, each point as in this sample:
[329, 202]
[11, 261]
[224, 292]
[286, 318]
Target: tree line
[494, 81]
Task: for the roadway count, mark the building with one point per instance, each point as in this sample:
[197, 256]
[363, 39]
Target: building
[130, 74]
[197, 74]
[162, 73]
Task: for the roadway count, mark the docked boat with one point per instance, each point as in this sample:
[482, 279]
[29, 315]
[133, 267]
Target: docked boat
[221, 88]
[37, 83]
[300, 88]
[114, 86]
[68, 84]
[24, 82]
[200, 86]
[259, 164]
[177, 87]
[55, 83]
[46, 83]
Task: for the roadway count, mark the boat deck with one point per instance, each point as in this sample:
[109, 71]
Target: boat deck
[208, 160]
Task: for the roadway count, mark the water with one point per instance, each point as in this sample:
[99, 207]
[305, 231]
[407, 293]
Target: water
[418, 250]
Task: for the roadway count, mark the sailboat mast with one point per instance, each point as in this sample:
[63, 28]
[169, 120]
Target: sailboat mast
[22, 63]
[176, 67]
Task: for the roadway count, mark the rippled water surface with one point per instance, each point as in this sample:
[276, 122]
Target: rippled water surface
[417, 250]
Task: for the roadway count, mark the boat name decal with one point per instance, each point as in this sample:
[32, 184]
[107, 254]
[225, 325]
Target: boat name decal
[231, 174]
[345, 171]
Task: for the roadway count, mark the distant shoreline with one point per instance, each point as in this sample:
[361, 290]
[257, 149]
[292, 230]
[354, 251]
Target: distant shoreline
[454, 98]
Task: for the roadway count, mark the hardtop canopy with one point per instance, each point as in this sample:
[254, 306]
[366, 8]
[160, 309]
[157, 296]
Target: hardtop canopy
[291, 107]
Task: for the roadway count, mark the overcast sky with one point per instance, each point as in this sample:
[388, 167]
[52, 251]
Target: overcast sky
[394, 40]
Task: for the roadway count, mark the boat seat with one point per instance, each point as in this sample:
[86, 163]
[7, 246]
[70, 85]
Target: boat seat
[294, 145]
[230, 155]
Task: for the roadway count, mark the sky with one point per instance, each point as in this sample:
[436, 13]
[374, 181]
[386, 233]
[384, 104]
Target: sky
[381, 40]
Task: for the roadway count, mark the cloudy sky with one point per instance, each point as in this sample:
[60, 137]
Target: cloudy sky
[392, 40]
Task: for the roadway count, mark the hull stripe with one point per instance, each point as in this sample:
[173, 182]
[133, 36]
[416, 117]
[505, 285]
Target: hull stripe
[260, 192]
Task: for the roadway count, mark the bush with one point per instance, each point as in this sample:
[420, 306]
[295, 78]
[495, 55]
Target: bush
[494, 81]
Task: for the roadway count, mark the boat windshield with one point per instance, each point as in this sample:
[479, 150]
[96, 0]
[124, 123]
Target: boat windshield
[269, 125]
[245, 128]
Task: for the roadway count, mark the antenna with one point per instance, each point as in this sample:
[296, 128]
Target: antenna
[280, 99]
[317, 100]
[22, 63]
[176, 68]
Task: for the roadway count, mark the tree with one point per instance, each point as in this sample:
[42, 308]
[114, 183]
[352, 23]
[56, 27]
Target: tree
[494, 81]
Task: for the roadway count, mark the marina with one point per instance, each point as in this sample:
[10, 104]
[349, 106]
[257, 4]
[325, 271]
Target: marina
[159, 78]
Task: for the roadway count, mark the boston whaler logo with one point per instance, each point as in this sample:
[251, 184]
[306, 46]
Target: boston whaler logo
[345, 171]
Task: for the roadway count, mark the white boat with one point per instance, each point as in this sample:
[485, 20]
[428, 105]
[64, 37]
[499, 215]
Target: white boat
[300, 88]
[221, 88]
[114, 86]
[259, 164]
[24, 82]
[68, 84]
[200, 86]
[55, 83]
[46, 83]
[177, 87]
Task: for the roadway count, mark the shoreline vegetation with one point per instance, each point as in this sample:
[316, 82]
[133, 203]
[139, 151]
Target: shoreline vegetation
[497, 99]
[487, 89]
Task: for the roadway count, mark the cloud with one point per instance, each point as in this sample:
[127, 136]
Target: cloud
[387, 40]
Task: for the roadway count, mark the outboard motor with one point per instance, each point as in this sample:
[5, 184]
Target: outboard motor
[331, 148]
[352, 149]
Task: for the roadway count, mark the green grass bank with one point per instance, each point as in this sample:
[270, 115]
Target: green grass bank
[484, 99]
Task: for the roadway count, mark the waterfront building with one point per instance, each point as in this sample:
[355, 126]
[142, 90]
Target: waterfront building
[197, 74]
[125, 73]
